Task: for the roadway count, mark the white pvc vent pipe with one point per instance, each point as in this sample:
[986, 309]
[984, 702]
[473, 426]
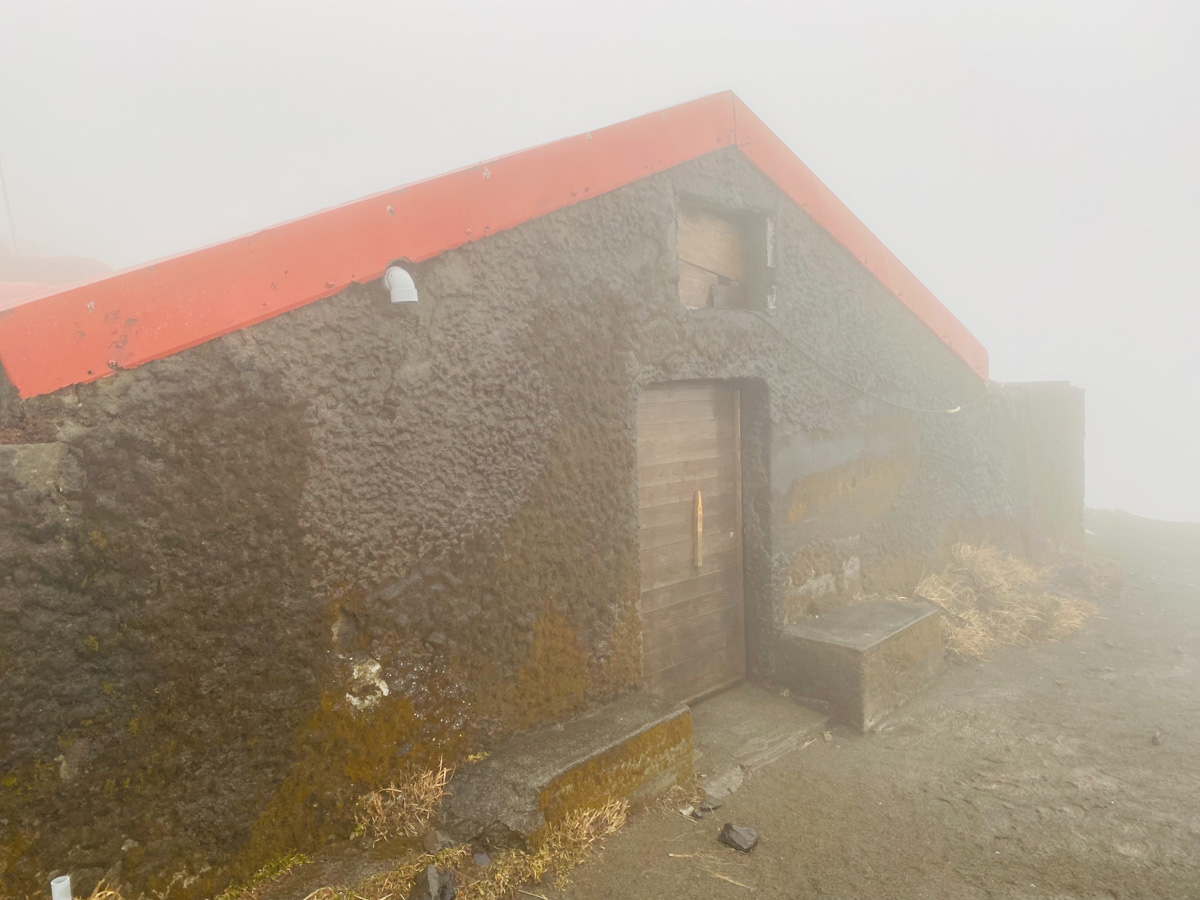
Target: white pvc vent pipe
[400, 285]
[60, 888]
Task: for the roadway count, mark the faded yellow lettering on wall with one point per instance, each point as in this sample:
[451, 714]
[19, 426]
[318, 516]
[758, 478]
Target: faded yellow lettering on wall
[867, 485]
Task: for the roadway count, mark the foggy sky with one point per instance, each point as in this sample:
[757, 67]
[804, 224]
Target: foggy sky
[1036, 164]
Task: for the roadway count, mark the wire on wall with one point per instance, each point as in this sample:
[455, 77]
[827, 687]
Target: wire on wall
[842, 378]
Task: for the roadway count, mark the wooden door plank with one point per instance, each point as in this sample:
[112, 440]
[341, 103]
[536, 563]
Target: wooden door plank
[674, 532]
[726, 581]
[668, 573]
[709, 429]
[715, 543]
[662, 623]
[673, 492]
[701, 409]
[684, 390]
[664, 514]
[702, 634]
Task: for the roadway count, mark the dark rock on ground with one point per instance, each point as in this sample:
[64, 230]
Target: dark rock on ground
[434, 884]
[738, 837]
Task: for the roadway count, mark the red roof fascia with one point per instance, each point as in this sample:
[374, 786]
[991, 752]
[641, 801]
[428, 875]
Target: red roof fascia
[14, 292]
[773, 158]
[129, 318]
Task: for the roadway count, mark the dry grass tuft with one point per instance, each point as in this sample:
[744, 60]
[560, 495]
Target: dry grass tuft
[992, 599]
[264, 877]
[402, 810]
[397, 882]
[563, 846]
[103, 892]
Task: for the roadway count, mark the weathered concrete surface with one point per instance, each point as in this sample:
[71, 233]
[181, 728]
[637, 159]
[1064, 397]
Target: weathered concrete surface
[864, 660]
[743, 729]
[290, 563]
[1031, 776]
[633, 749]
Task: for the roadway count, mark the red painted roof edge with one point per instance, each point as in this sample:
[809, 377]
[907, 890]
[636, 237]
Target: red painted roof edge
[774, 158]
[129, 318]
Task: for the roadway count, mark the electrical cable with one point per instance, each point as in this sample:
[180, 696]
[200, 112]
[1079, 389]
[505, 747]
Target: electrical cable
[820, 365]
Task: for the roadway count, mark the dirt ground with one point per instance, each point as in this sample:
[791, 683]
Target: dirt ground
[1066, 770]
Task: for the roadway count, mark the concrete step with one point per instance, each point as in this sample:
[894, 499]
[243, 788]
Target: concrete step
[739, 730]
[864, 660]
[634, 749]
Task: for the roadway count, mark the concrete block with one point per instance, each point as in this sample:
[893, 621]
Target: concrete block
[634, 749]
[864, 660]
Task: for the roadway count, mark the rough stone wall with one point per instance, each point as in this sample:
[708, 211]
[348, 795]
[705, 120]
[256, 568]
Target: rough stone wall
[243, 584]
[1054, 431]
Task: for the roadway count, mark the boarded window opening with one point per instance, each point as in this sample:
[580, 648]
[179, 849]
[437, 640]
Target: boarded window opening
[724, 260]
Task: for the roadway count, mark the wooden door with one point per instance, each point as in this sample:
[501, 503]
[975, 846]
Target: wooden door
[693, 620]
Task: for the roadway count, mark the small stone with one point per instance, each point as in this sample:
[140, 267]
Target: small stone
[482, 860]
[429, 841]
[449, 887]
[1157, 739]
[738, 837]
[828, 736]
[689, 811]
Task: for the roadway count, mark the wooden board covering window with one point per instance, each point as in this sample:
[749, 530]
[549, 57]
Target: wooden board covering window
[693, 620]
[711, 252]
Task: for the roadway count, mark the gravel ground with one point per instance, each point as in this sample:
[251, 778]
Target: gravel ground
[1066, 770]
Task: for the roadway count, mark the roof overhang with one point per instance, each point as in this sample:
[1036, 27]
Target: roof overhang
[81, 333]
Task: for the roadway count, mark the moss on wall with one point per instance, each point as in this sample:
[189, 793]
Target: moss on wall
[637, 769]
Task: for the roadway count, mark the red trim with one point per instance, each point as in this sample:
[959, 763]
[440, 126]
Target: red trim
[773, 158]
[14, 292]
[130, 318]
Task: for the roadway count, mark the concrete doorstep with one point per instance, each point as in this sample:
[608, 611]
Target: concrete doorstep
[743, 729]
[634, 749]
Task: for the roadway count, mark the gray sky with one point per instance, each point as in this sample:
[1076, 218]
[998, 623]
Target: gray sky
[1036, 164]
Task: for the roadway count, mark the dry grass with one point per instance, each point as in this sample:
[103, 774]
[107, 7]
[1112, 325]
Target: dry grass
[103, 892]
[264, 877]
[397, 882]
[402, 810]
[563, 846]
[992, 599]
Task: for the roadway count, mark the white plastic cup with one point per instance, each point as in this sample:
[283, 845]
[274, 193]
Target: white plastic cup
[60, 888]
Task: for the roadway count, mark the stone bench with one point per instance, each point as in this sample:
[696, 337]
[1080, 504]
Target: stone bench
[864, 660]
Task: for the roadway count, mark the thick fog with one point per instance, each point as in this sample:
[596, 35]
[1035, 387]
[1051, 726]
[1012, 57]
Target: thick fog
[1035, 163]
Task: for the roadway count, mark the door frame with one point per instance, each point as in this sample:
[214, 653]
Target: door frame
[736, 387]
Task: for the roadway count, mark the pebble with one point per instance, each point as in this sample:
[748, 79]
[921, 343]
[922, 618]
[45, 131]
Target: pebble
[738, 837]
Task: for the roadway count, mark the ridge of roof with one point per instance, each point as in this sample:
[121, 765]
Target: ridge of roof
[84, 332]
